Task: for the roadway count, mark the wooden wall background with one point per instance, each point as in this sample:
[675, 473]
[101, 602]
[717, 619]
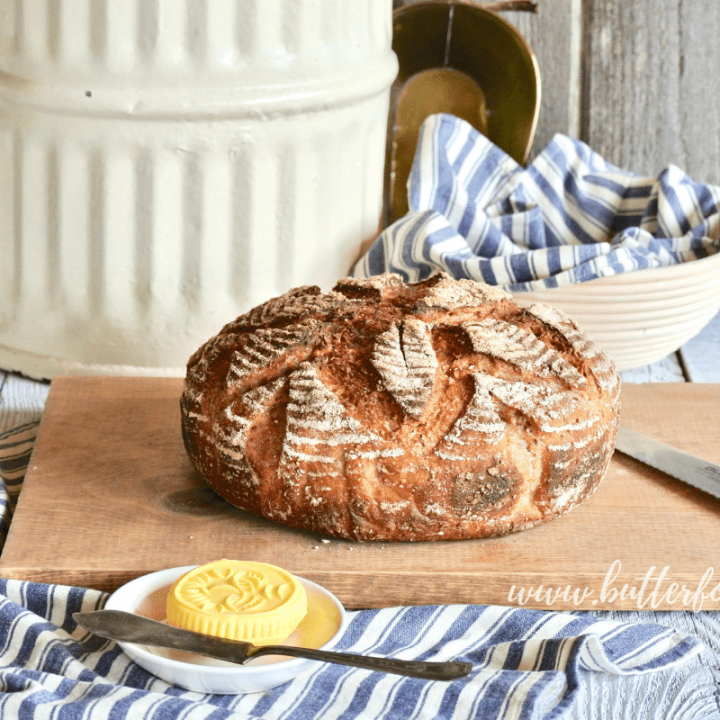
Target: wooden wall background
[639, 82]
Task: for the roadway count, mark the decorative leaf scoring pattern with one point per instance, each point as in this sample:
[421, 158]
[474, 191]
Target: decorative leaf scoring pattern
[301, 301]
[519, 347]
[480, 423]
[197, 373]
[549, 408]
[319, 429]
[407, 364]
[231, 437]
[449, 294]
[603, 368]
[261, 349]
[322, 433]
[257, 400]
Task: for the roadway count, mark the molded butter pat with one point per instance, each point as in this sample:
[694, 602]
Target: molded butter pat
[239, 600]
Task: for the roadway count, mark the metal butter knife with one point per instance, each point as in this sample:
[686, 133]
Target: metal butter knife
[128, 627]
[694, 471]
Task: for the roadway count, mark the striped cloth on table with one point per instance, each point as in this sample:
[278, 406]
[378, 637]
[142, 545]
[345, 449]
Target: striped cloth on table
[527, 664]
[569, 217]
[15, 448]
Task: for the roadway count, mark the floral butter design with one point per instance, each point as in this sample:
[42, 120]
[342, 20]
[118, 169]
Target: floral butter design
[222, 590]
[241, 600]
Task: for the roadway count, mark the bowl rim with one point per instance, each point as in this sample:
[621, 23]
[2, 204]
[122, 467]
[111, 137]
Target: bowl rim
[160, 578]
[689, 270]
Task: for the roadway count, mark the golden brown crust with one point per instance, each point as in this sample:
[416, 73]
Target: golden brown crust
[386, 411]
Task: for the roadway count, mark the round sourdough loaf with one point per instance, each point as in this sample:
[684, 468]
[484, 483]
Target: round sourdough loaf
[391, 411]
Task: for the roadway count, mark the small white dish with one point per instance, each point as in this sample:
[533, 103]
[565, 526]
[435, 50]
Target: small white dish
[323, 625]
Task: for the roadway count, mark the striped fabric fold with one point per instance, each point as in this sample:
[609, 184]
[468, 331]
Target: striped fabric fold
[15, 448]
[527, 664]
[569, 217]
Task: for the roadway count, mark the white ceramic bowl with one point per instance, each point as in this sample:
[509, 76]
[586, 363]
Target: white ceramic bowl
[323, 625]
[640, 317]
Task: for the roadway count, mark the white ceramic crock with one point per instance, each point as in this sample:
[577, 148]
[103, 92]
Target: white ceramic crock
[166, 165]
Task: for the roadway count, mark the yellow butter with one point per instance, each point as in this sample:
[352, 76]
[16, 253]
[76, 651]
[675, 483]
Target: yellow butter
[239, 600]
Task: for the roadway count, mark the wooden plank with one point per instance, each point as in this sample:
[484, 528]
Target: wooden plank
[651, 81]
[699, 63]
[554, 34]
[701, 355]
[110, 495]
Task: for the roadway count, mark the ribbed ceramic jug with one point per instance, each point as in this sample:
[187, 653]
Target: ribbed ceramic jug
[166, 165]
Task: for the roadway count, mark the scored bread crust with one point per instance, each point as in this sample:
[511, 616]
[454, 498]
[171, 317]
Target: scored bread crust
[389, 411]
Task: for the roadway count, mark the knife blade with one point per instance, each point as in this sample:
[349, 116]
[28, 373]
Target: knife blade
[128, 627]
[692, 470]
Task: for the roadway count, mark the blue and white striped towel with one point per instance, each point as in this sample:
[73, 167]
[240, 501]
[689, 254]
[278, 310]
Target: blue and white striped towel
[527, 664]
[569, 217]
[15, 448]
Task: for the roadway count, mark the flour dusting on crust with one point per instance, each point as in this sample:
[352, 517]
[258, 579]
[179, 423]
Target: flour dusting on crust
[261, 349]
[296, 303]
[447, 294]
[480, 424]
[390, 411]
[407, 364]
[520, 347]
[603, 367]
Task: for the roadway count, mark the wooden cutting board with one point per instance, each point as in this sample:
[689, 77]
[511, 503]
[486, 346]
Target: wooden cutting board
[110, 495]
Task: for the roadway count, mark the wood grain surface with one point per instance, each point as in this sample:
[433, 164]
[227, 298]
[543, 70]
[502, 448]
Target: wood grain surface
[110, 495]
[555, 35]
[650, 83]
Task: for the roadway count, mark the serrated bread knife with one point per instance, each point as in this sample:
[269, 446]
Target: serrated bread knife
[699, 473]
